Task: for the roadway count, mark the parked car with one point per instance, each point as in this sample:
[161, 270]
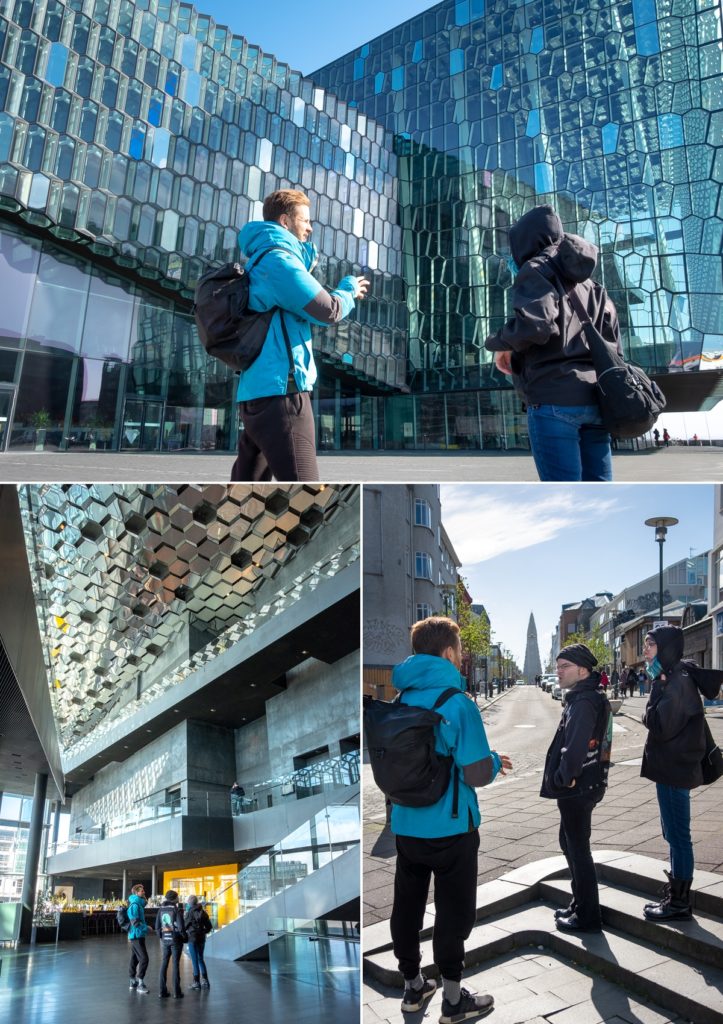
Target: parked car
[557, 692]
[548, 681]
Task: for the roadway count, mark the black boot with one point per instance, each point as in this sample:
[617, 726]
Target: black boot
[568, 911]
[676, 906]
[664, 893]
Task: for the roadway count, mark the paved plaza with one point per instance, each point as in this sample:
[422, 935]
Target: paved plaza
[534, 985]
[687, 465]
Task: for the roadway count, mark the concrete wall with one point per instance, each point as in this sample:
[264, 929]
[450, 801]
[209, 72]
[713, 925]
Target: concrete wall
[197, 756]
[319, 707]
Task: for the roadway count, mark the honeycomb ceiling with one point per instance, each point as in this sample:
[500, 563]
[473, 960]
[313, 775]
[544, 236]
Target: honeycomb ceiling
[126, 577]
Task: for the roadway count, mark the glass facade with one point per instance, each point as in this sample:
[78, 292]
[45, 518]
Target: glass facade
[137, 137]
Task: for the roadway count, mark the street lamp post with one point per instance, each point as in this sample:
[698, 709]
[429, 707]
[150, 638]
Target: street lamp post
[660, 524]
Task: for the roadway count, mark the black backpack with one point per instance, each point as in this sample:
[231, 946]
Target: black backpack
[400, 739]
[172, 926]
[228, 329]
[630, 402]
[122, 918]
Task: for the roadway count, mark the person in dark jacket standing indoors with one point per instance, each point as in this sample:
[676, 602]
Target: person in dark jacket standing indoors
[544, 350]
[576, 771]
[674, 749]
[198, 925]
[137, 938]
[171, 932]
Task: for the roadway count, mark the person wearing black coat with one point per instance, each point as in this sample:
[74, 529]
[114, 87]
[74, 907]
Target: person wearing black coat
[171, 932]
[575, 774]
[543, 348]
[674, 748]
[198, 926]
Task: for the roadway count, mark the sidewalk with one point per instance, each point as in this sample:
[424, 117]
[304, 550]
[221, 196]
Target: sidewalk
[535, 985]
[688, 465]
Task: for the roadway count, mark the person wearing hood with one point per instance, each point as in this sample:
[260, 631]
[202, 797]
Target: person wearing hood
[171, 931]
[431, 841]
[274, 396]
[575, 774]
[543, 347]
[674, 749]
[137, 931]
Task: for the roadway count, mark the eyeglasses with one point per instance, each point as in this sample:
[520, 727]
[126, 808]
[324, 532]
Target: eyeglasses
[649, 643]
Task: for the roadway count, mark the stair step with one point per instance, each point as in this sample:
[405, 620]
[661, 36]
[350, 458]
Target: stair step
[646, 875]
[671, 979]
[622, 909]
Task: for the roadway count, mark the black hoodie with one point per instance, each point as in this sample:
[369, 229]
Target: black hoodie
[551, 362]
[674, 715]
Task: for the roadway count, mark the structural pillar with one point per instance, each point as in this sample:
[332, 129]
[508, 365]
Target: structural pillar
[124, 884]
[154, 879]
[30, 879]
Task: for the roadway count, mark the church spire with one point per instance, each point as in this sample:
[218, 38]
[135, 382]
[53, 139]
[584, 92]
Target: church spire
[533, 666]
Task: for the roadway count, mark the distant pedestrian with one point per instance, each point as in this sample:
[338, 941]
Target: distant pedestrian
[656, 435]
[604, 679]
[198, 925]
[666, 437]
[237, 798]
[575, 774]
[172, 933]
[615, 683]
[674, 749]
[642, 680]
[137, 939]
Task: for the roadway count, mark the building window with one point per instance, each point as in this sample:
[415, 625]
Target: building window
[424, 611]
[422, 513]
[423, 565]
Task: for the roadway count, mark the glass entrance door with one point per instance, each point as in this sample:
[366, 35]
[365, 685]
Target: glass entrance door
[142, 425]
[7, 405]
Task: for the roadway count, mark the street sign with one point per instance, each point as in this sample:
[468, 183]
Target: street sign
[659, 622]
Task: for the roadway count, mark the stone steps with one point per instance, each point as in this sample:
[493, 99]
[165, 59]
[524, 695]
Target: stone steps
[678, 965]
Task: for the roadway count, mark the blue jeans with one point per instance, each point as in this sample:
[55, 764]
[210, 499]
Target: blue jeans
[674, 807]
[569, 442]
[195, 951]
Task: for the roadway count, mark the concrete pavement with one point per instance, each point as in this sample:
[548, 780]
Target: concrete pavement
[688, 465]
[520, 830]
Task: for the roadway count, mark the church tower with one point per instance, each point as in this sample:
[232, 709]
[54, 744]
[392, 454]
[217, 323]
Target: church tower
[533, 666]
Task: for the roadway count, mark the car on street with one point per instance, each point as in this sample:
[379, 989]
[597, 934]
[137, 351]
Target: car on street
[520, 682]
[548, 681]
[557, 692]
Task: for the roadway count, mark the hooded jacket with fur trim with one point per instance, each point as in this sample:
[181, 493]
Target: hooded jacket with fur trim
[551, 362]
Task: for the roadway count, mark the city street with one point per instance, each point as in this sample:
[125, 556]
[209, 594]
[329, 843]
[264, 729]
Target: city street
[519, 828]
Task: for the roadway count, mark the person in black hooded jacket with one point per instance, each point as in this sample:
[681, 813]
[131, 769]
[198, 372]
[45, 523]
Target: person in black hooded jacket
[543, 347]
[674, 748]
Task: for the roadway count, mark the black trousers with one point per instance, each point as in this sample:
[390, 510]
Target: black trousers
[175, 950]
[139, 959]
[453, 862]
[575, 827]
[278, 439]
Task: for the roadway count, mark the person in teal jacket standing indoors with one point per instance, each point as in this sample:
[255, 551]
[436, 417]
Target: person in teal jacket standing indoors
[274, 393]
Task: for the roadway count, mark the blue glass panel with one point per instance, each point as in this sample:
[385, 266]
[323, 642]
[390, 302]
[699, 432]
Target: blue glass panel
[191, 88]
[364, 52]
[398, 78]
[476, 9]
[7, 124]
[418, 53]
[497, 78]
[138, 136]
[161, 142]
[644, 11]
[456, 61]
[171, 83]
[533, 124]
[461, 12]
[647, 40]
[537, 42]
[358, 68]
[57, 63]
[188, 52]
[155, 110]
[670, 130]
[379, 82]
[543, 178]
[610, 134]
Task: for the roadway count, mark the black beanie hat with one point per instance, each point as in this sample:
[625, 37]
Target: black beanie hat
[670, 642]
[579, 654]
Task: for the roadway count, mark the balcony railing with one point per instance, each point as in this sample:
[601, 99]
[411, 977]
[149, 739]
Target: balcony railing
[317, 778]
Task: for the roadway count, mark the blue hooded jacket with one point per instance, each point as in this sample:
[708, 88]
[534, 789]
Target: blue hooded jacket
[421, 679]
[137, 917]
[283, 279]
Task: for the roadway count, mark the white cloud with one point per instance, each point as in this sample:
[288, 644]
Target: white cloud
[483, 523]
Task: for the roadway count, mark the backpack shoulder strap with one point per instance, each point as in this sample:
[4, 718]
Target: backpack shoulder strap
[444, 697]
[287, 343]
[255, 260]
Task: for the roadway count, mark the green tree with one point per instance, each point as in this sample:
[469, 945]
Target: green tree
[593, 640]
[474, 630]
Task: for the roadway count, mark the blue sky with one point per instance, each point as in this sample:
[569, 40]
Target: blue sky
[533, 548]
[309, 35]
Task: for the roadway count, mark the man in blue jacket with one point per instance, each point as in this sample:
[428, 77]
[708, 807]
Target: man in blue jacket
[274, 393]
[429, 840]
[137, 939]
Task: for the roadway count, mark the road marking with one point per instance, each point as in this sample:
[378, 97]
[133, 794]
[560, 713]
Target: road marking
[635, 762]
[525, 727]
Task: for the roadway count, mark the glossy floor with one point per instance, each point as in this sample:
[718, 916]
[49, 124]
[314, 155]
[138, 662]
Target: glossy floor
[87, 981]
